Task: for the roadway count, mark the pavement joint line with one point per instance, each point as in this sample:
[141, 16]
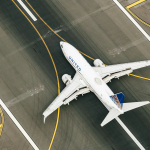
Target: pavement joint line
[132, 20]
[130, 133]
[119, 121]
[43, 43]
[52, 29]
[50, 54]
[18, 125]
[24, 96]
[134, 4]
[27, 10]
[44, 21]
[2, 121]
[53, 65]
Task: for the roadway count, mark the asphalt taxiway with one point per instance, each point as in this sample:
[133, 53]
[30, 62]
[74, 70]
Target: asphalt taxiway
[28, 80]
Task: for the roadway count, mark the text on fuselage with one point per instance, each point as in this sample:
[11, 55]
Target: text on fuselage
[74, 63]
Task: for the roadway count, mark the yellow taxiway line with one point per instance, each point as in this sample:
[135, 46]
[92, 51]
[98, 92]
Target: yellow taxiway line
[128, 7]
[139, 76]
[2, 121]
[44, 21]
[134, 4]
[53, 65]
[43, 43]
[52, 58]
[52, 29]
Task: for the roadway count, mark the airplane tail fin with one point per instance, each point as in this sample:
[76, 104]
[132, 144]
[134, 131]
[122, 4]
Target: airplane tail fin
[118, 99]
[113, 113]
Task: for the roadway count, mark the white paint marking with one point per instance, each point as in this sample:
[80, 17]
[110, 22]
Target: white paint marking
[127, 130]
[131, 18]
[18, 125]
[130, 134]
[27, 10]
[25, 95]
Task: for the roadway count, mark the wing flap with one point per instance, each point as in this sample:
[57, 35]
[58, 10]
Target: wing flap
[120, 67]
[76, 84]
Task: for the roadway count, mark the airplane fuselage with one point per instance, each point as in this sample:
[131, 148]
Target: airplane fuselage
[89, 76]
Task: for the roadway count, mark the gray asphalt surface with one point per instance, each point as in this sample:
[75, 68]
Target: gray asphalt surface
[28, 82]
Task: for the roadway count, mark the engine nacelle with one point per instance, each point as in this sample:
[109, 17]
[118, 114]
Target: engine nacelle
[66, 79]
[98, 63]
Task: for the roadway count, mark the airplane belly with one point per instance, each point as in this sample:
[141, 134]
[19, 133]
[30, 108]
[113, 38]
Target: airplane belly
[98, 86]
[88, 74]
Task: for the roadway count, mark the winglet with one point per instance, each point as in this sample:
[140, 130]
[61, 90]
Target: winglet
[44, 119]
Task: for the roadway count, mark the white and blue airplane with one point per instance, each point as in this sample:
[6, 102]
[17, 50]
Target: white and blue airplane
[94, 79]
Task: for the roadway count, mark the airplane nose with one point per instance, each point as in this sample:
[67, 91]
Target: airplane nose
[61, 44]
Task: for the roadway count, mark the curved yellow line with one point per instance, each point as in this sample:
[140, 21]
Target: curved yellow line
[52, 29]
[55, 129]
[44, 21]
[53, 65]
[43, 43]
[2, 123]
[128, 8]
[52, 58]
[86, 55]
[134, 4]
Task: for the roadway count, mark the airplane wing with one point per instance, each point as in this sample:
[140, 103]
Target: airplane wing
[118, 70]
[69, 93]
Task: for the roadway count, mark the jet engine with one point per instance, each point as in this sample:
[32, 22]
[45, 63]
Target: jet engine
[66, 79]
[98, 63]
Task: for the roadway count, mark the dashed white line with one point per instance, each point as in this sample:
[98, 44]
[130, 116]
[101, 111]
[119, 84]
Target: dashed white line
[18, 125]
[27, 10]
[131, 18]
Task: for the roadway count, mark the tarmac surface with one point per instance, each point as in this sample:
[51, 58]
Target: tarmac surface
[28, 81]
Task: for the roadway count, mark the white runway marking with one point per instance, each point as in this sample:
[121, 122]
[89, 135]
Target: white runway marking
[130, 134]
[18, 125]
[27, 10]
[25, 95]
[130, 17]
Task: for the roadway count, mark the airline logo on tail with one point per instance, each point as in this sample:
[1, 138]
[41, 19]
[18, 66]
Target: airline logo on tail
[118, 99]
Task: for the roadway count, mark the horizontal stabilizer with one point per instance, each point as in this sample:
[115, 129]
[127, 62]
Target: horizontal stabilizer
[113, 113]
[130, 106]
[121, 98]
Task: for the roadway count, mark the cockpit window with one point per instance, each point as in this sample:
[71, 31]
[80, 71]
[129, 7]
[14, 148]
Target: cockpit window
[61, 46]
